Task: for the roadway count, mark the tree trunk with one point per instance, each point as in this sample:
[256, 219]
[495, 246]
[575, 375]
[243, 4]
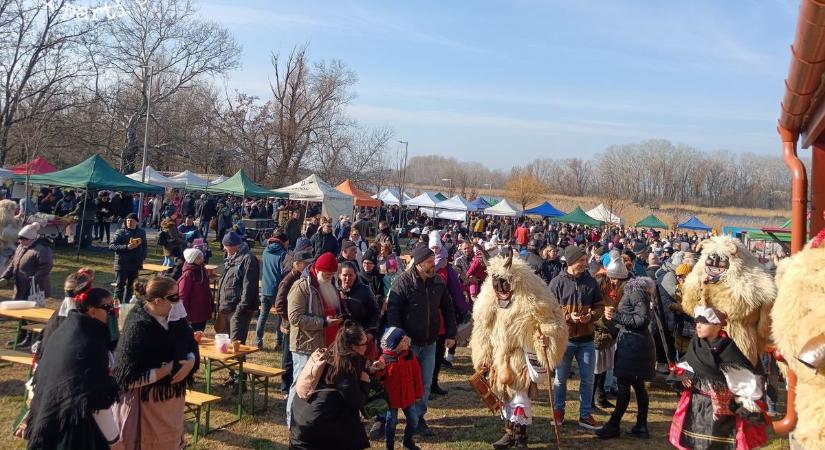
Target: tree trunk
[131, 149]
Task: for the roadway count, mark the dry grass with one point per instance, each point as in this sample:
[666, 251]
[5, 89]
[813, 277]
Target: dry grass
[459, 419]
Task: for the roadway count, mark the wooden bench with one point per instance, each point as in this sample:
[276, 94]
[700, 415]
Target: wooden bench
[16, 357]
[259, 372]
[195, 401]
[34, 328]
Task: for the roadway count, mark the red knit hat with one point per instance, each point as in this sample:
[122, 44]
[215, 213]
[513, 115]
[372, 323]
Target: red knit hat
[326, 263]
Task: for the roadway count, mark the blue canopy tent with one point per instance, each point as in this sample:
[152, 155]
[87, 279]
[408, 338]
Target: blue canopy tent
[693, 224]
[545, 210]
[480, 203]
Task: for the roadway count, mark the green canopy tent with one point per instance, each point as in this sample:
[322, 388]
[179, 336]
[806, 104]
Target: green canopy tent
[94, 173]
[578, 217]
[440, 196]
[651, 221]
[241, 185]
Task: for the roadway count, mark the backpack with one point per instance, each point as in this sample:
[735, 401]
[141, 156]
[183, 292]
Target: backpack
[311, 373]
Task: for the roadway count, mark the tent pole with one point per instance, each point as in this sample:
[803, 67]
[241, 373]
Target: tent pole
[79, 236]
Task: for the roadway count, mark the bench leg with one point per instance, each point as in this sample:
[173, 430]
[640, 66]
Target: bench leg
[266, 394]
[16, 335]
[208, 391]
[252, 394]
[197, 423]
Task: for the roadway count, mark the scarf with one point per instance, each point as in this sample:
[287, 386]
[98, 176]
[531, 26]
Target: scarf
[72, 382]
[145, 345]
[709, 357]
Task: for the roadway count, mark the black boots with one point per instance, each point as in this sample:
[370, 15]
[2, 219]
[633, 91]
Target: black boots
[507, 440]
[520, 433]
[610, 430]
[639, 431]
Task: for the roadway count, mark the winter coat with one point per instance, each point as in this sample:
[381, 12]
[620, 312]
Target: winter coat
[550, 269]
[323, 243]
[307, 321]
[170, 239]
[635, 351]
[281, 301]
[478, 271]
[359, 302]
[534, 261]
[31, 261]
[187, 206]
[238, 287]
[125, 258]
[578, 294]
[401, 378]
[414, 306]
[205, 209]
[293, 231]
[272, 267]
[193, 287]
[330, 418]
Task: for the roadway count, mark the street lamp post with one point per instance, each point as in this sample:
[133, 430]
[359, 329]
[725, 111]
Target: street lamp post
[403, 181]
[146, 133]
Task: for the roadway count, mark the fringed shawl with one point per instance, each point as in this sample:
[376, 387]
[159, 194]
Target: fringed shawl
[146, 345]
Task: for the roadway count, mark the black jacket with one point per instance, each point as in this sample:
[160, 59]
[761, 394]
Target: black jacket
[550, 269]
[330, 418]
[534, 261]
[360, 304]
[239, 286]
[322, 243]
[205, 209]
[187, 206]
[414, 306]
[126, 259]
[635, 351]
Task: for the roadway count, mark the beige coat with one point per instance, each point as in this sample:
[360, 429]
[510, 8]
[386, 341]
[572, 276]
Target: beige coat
[306, 317]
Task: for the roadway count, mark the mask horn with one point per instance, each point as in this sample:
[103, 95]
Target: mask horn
[509, 255]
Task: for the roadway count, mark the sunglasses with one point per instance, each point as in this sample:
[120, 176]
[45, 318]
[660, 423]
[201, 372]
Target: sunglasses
[363, 344]
[174, 298]
[108, 307]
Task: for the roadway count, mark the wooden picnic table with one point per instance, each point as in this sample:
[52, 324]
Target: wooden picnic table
[156, 268]
[224, 361]
[39, 315]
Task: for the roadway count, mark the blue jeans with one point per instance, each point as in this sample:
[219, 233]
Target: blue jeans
[426, 359]
[299, 360]
[585, 354]
[266, 305]
[204, 228]
[286, 364]
[392, 421]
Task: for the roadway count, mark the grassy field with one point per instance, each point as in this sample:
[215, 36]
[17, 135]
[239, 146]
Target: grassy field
[459, 419]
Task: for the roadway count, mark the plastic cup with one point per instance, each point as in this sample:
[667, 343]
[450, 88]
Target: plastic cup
[222, 343]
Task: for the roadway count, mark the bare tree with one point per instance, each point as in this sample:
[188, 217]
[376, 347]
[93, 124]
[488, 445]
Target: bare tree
[165, 39]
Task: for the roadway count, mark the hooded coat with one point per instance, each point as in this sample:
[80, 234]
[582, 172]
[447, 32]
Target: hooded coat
[34, 260]
[635, 350]
[272, 267]
[195, 293]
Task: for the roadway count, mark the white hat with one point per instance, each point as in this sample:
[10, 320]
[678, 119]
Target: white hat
[191, 255]
[435, 239]
[617, 270]
[30, 231]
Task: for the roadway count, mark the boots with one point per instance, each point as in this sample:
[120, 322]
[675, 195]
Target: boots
[639, 431]
[507, 440]
[520, 433]
[610, 430]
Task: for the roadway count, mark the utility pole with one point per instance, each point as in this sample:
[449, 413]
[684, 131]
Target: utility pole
[403, 181]
[148, 84]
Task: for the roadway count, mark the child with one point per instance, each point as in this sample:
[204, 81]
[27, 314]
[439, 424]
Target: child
[402, 382]
[718, 408]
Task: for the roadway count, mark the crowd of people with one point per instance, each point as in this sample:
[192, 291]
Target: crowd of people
[346, 300]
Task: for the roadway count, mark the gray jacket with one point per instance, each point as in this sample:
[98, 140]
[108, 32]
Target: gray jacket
[30, 261]
[238, 287]
[306, 316]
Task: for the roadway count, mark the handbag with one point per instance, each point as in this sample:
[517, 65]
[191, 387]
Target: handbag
[479, 383]
[310, 375]
[213, 224]
[36, 295]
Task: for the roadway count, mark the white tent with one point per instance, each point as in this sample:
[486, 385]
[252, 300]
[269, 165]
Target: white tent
[424, 200]
[190, 180]
[334, 203]
[503, 208]
[454, 208]
[390, 196]
[603, 214]
[155, 178]
[456, 203]
[220, 179]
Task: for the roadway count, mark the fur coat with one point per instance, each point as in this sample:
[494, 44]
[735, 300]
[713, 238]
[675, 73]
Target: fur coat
[500, 336]
[745, 292]
[797, 318]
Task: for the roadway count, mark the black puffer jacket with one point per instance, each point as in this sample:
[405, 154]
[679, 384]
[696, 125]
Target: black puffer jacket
[635, 351]
[125, 258]
[361, 306]
[414, 306]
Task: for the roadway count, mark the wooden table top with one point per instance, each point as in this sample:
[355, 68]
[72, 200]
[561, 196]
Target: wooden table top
[207, 350]
[155, 267]
[40, 315]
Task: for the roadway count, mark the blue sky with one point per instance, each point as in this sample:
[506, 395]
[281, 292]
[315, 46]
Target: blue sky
[505, 82]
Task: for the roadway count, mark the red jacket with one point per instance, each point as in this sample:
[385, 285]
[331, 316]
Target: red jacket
[193, 288]
[401, 379]
[522, 235]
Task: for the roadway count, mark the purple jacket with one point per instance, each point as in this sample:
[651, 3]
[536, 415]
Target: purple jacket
[457, 291]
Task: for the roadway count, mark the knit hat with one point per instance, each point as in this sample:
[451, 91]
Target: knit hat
[231, 239]
[191, 254]
[421, 253]
[30, 231]
[617, 270]
[302, 244]
[572, 254]
[326, 263]
[683, 269]
[392, 337]
[370, 255]
[435, 239]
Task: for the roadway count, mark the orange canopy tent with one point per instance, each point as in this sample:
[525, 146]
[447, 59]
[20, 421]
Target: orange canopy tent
[361, 198]
[37, 166]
